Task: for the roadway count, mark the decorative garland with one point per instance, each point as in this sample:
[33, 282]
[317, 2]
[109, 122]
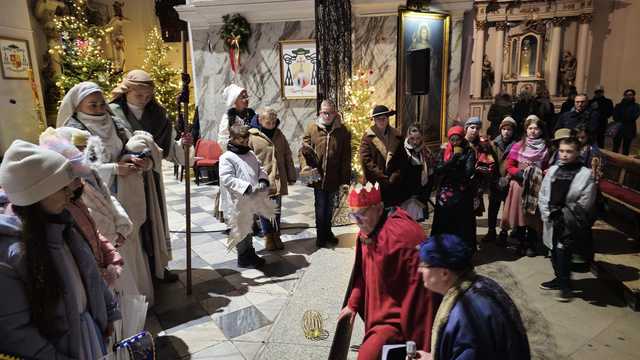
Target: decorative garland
[235, 34]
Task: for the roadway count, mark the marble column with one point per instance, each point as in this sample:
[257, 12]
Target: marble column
[554, 56]
[479, 43]
[499, 61]
[583, 38]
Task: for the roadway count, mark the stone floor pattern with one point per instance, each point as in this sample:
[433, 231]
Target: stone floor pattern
[237, 313]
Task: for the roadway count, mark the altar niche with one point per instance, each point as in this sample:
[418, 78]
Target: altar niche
[524, 69]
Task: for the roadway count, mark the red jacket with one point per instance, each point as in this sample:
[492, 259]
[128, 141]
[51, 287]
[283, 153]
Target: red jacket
[387, 289]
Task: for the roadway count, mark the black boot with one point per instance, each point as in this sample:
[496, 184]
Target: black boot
[531, 242]
[249, 259]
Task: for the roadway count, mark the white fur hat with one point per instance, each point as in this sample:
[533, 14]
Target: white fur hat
[231, 93]
[29, 173]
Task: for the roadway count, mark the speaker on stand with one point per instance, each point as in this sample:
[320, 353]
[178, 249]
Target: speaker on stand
[418, 67]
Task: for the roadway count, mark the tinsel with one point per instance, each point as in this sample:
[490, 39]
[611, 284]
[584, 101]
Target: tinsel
[333, 46]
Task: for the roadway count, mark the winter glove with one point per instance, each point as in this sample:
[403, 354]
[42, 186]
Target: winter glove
[262, 185]
[249, 190]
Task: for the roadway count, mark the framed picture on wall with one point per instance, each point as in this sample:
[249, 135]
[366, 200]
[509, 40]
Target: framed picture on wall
[418, 31]
[298, 66]
[15, 58]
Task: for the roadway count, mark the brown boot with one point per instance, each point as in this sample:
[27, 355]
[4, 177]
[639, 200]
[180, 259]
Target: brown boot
[278, 241]
[269, 242]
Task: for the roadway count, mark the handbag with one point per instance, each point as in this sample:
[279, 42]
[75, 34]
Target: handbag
[613, 129]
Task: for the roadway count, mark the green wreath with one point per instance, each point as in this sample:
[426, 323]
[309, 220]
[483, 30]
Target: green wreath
[235, 27]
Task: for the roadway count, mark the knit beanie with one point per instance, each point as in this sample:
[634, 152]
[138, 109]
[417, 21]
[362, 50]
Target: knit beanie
[508, 121]
[29, 173]
[231, 93]
[474, 120]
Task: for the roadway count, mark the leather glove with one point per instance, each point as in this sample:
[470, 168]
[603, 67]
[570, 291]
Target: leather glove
[262, 185]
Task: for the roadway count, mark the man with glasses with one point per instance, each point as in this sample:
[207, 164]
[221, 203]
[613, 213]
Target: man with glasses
[326, 147]
[581, 113]
[386, 289]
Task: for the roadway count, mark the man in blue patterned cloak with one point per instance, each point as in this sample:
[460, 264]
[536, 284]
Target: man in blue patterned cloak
[476, 319]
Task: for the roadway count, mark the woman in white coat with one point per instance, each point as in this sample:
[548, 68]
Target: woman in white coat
[237, 100]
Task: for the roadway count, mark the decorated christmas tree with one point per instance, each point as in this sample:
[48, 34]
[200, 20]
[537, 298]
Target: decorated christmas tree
[165, 77]
[80, 50]
[357, 113]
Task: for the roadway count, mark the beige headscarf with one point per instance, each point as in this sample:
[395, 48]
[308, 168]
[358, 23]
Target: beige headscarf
[133, 78]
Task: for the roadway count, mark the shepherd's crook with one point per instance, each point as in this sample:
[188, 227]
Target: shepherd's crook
[184, 98]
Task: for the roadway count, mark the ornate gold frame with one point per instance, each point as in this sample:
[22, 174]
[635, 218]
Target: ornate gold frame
[400, 81]
[280, 43]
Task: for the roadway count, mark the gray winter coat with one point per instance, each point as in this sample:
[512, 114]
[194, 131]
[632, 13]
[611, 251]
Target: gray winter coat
[582, 193]
[19, 335]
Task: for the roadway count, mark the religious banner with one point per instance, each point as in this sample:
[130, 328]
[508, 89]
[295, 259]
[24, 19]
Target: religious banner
[416, 31]
[298, 67]
[14, 54]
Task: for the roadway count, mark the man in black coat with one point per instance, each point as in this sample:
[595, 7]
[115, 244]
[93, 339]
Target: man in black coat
[626, 112]
[580, 114]
[604, 107]
[500, 109]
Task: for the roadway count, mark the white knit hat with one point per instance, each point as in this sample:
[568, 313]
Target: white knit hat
[231, 93]
[29, 173]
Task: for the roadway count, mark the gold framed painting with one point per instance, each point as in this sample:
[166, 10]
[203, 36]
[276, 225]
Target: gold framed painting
[298, 67]
[14, 58]
[420, 30]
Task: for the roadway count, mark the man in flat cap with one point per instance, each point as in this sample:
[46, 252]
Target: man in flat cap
[476, 319]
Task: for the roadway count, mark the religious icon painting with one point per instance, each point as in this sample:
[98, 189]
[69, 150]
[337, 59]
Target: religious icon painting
[14, 55]
[298, 66]
[418, 31]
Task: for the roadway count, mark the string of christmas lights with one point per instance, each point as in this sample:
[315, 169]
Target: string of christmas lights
[357, 113]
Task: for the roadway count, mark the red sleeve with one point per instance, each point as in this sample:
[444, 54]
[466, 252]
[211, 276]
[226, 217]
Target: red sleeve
[356, 297]
[512, 166]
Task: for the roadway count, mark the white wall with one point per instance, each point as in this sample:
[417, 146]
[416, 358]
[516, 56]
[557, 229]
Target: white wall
[18, 121]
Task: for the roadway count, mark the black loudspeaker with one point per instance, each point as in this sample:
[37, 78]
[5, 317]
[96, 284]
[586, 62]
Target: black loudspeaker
[417, 74]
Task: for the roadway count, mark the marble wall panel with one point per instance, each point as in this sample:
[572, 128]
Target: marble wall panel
[259, 74]
[374, 47]
[455, 72]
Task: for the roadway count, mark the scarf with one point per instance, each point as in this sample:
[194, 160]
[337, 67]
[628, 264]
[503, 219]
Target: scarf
[103, 127]
[533, 176]
[136, 110]
[238, 149]
[416, 159]
[449, 300]
[533, 152]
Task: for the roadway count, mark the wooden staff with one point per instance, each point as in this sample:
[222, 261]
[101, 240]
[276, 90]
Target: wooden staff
[187, 148]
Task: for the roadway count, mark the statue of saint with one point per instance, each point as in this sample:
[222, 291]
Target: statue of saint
[117, 35]
[525, 59]
[568, 65]
[487, 78]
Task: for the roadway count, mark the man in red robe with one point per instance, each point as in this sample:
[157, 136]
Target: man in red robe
[387, 291]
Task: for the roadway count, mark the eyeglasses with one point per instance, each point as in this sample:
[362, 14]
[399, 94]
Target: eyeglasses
[354, 216]
[243, 97]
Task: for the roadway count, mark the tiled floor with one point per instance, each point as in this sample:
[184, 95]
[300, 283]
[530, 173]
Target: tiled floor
[237, 313]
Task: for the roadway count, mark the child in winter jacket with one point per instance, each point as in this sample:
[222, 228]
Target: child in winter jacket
[566, 203]
[241, 174]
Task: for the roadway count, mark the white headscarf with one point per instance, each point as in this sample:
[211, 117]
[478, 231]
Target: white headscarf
[231, 93]
[72, 99]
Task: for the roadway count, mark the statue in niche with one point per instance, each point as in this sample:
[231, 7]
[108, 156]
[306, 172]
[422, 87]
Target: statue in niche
[487, 78]
[528, 57]
[567, 73]
[45, 11]
[420, 38]
[117, 35]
